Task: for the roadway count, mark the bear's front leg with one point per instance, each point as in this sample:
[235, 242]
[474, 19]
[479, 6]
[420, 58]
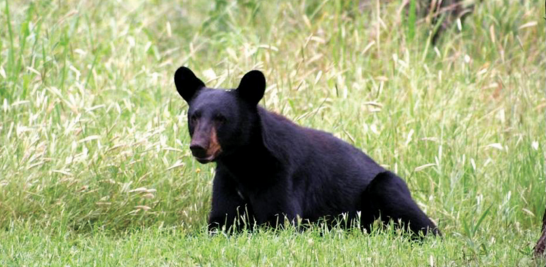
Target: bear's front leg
[229, 210]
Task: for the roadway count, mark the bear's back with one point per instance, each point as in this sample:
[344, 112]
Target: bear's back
[327, 173]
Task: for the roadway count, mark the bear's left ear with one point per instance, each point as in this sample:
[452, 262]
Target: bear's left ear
[252, 87]
[187, 84]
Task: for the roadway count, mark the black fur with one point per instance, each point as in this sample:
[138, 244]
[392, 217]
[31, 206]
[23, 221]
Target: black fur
[271, 169]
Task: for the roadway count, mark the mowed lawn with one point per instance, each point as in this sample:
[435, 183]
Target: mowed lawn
[94, 161]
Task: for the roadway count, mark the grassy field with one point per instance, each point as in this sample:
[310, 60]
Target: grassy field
[94, 161]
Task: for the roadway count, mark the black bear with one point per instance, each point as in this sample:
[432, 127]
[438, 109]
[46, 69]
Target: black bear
[269, 169]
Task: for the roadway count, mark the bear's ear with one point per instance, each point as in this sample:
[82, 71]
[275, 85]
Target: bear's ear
[187, 84]
[252, 87]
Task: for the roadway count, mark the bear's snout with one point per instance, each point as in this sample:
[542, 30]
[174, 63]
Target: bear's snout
[198, 151]
[205, 146]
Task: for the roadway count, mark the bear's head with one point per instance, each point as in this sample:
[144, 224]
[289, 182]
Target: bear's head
[220, 121]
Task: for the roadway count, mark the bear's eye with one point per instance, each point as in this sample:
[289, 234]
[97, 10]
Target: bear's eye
[193, 119]
[219, 119]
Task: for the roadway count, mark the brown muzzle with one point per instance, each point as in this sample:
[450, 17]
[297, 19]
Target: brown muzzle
[204, 144]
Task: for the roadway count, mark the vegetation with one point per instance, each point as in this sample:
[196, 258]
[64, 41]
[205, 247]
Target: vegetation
[94, 161]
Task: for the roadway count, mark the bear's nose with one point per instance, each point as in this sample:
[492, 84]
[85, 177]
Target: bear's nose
[198, 151]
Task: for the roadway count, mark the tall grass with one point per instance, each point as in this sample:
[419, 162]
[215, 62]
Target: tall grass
[93, 135]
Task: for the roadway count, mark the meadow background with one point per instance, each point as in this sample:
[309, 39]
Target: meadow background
[94, 161]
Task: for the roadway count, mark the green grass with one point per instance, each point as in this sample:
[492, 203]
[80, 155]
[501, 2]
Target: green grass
[94, 160]
[158, 246]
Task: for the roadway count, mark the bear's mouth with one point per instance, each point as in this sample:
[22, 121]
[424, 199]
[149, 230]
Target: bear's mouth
[205, 160]
[211, 154]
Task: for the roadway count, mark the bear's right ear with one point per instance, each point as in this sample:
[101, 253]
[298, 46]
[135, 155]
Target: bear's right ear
[187, 84]
[252, 87]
